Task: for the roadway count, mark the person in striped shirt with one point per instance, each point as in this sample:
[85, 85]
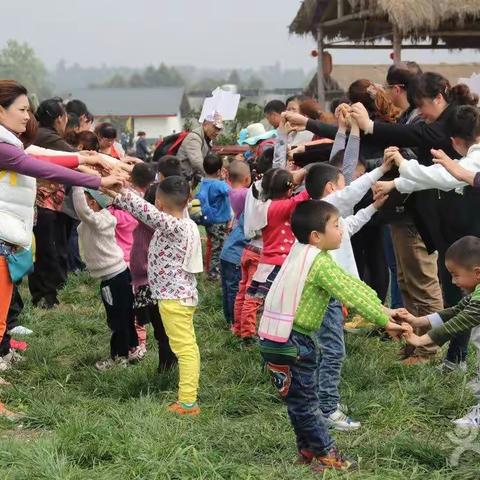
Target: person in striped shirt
[462, 260]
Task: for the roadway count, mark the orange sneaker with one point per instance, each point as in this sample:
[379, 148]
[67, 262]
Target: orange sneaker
[181, 408]
[418, 360]
[332, 461]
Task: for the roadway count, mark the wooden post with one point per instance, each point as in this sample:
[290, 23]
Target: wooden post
[320, 82]
[397, 45]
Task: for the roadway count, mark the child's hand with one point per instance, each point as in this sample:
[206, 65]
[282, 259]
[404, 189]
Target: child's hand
[360, 115]
[379, 200]
[395, 330]
[388, 163]
[284, 126]
[403, 315]
[452, 167]
[417, 341]
[383, 188]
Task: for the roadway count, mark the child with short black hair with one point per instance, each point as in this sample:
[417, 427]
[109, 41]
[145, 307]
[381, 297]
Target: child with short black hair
[216, 211]
[462, 260]
[293, 312]
[174, 256]
[325, 181]
[105, 260]
[230, 256]
[168, 166]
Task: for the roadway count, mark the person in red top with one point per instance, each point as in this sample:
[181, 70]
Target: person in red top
[107, 136]
[277, 188]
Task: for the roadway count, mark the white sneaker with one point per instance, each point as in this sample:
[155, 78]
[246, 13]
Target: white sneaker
[447, 367]
[110, 363]
[138, 354]
[13, 357]
[20, 330]
[470, 420]
[342, 422]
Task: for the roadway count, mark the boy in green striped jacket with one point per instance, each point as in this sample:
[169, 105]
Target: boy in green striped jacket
[462, 260]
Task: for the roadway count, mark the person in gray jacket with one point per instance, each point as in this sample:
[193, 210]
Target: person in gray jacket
[197, 144]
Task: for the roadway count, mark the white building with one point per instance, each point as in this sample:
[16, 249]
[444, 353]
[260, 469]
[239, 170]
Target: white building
[158, 111]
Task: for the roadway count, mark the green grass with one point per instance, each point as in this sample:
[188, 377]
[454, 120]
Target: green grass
[80, 424]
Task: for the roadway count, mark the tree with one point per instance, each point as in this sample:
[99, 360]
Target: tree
[234, 78]
[254, 83]
[19, 62]
[117, 81]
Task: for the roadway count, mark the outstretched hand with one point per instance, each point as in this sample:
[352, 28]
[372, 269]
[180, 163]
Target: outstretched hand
[383, 188]
[296, 120]
[392, 154]
[113, 182]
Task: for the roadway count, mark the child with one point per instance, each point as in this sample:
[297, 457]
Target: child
[322, 182]
[168, 166]
[462, 260]
[240, 179]
[141, 178]
[105, 260]
[277, 238]
[213, 195]
[245, 310]
[145, 306]
[174, 256]
[294, 309]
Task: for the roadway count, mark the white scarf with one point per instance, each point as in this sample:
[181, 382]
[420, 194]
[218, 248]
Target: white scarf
[7, 136]
[285, 293]
[256, 211]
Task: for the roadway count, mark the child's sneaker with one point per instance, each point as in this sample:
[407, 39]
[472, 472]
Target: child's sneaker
[304, 457]
[18, 345]
[333, 460]
[109, 363]
[8, 414]
[13, 357]
[20, 330]
[137, 354]
[448, 367]
[342, 422]
[181, 408]
[470, 420]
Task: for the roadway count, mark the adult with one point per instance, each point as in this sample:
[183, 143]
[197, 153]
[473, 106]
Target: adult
[141, 146]
[79, 108]
[18, 184]
[440, 217]
[417, 270]
[273, 112]
[107, 140]
[52, 226]
[329, 83]
[197, 144]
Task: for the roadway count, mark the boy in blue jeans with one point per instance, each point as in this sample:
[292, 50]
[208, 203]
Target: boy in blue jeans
[216, 210]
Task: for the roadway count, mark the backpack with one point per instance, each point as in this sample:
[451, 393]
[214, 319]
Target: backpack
[205, 214]
[169, 145]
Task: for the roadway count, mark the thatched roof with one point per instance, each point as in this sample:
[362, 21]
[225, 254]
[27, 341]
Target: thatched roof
[373, 19]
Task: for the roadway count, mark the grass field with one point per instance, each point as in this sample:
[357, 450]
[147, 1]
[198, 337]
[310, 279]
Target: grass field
[80, 424]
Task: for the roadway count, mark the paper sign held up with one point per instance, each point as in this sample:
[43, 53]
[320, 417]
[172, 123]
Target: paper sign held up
[223, 102]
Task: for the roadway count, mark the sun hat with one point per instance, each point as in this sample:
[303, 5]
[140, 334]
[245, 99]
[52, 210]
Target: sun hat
[103, 200]
[254, 133]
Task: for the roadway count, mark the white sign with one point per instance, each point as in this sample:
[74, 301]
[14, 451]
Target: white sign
[223, 102]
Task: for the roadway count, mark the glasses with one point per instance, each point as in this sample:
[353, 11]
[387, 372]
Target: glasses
[401, 85]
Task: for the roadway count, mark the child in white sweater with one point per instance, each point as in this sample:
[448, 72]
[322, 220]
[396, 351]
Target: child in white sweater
[104, 260]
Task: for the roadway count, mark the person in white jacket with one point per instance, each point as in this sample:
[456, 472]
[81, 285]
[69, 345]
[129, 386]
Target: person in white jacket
[465, 132]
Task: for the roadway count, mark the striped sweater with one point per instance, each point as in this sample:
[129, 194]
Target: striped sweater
[327, 279]
[460, 318]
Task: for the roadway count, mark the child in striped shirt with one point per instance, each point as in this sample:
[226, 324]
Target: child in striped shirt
[462, 260]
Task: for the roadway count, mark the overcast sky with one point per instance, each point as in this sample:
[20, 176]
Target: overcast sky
[207, 33]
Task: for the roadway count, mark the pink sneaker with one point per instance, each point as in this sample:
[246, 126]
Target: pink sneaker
[18, 345]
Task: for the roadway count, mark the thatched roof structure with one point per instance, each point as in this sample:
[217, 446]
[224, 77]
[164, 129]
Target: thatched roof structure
[456, 23]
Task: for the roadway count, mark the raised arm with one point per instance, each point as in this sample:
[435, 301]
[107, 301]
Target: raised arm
[144, 211]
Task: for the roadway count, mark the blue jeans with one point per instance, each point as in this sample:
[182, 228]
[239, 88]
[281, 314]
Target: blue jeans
[330, 357]
[396, 300]
[231, 275]
[292, 367]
